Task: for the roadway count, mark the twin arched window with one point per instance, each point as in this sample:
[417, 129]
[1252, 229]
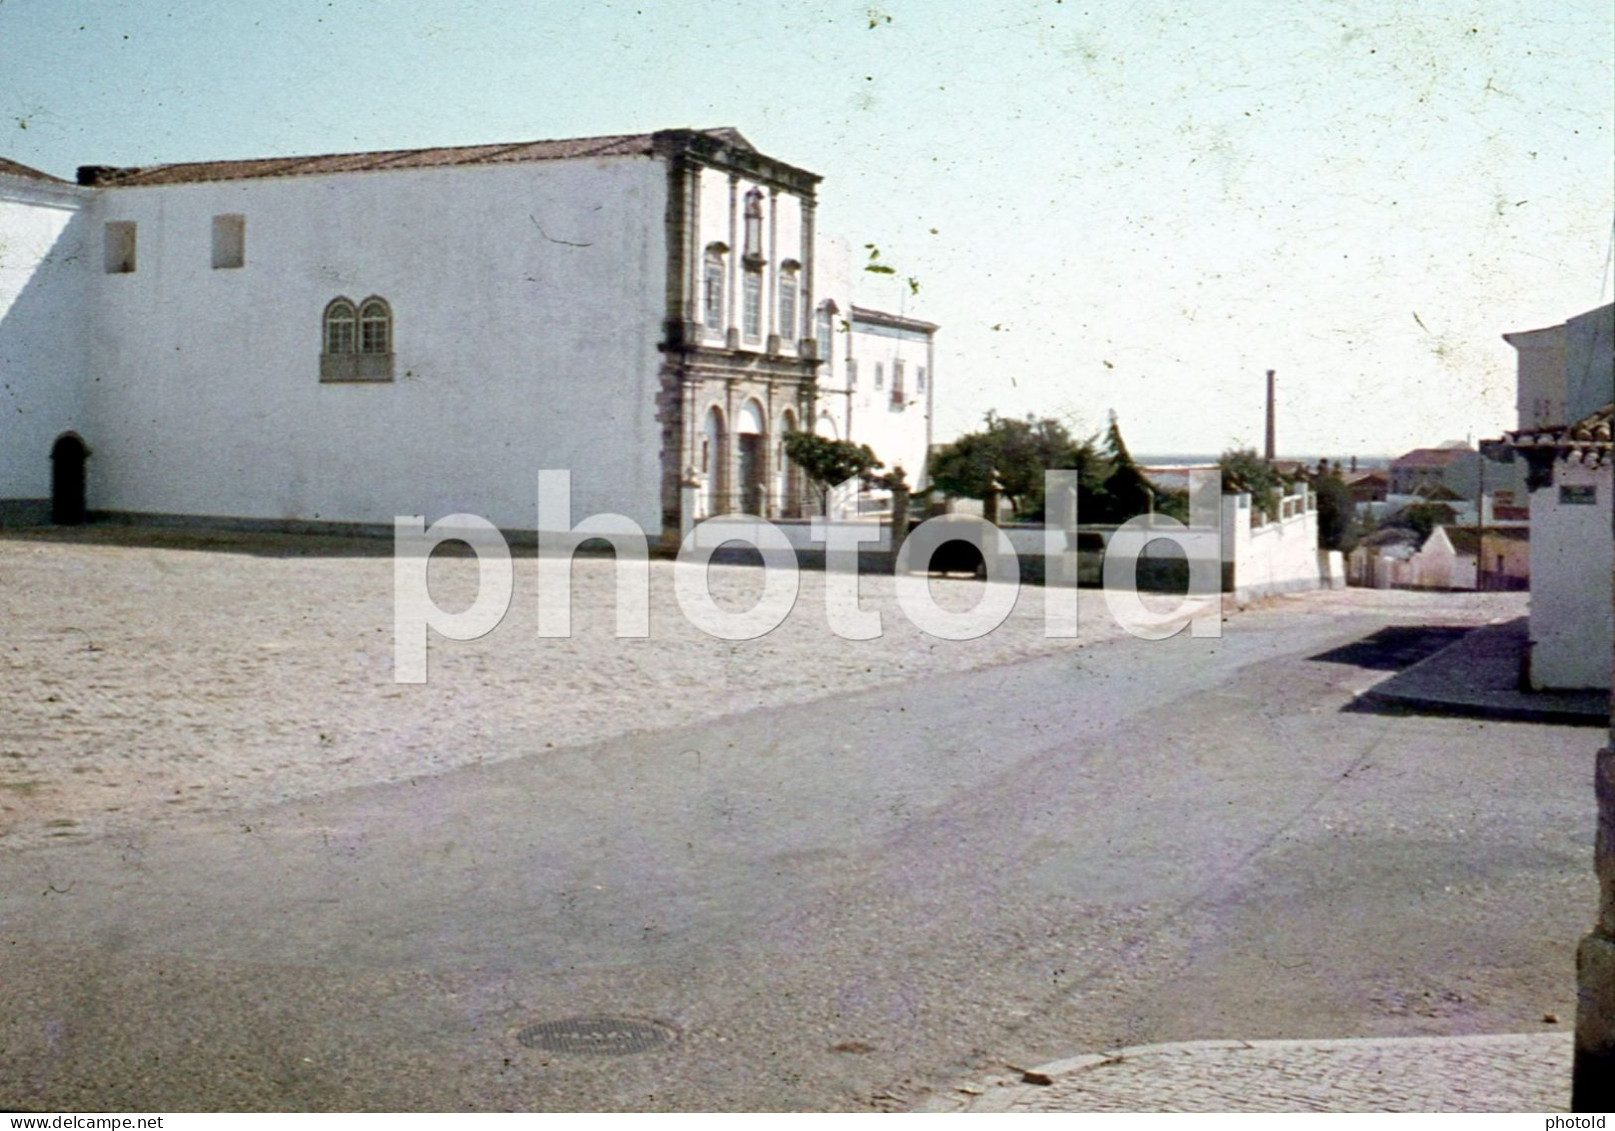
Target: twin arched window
[358, 341]
[367, 329]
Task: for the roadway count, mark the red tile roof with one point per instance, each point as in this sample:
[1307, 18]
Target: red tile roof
[17, 169]
[1589, 438]
[1430, 457]
[620, 145]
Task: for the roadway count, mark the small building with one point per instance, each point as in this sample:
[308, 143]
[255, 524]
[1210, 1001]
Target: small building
[1569, 474]
[1469, 557]
[1572, 627]
[877, 372]
[1453, 467]
[1380, 561]
[1370, 486]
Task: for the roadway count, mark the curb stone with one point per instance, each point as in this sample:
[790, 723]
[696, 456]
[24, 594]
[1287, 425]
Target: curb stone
[1440, 1073]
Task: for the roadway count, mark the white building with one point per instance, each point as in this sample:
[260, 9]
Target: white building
[1569, 464]
[343, 339]
[877, 383]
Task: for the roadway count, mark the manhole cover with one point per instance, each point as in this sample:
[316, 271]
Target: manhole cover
[602, 1036]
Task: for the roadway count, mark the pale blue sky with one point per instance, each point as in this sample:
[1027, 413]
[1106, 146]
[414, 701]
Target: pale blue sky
[1139, 205]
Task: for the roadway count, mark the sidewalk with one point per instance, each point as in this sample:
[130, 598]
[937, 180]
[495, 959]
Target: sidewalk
[1479, 675]
[1523, 1072]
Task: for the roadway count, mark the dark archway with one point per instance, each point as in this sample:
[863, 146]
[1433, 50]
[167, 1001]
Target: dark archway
[67, 456]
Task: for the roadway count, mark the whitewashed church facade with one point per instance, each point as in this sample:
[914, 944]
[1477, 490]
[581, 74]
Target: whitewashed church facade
[343, 339]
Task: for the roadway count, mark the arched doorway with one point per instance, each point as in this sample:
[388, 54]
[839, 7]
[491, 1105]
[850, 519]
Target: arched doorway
[713, 462]
[67, 496]
[751, 435]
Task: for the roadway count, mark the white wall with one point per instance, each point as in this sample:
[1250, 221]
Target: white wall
[527, 301]
[897, 432]
[1571, 555]
[1276, 557]
[42, 331]
[863, 413]
[1541, 393]
[1589, 362]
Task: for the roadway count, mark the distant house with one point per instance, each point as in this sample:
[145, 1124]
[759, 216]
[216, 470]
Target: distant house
[1368, 486]
[1421, 471]
[1568, 471]
[1468, 557]
[1380, 561]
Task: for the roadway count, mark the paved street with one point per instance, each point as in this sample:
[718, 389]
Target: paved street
[847, 904]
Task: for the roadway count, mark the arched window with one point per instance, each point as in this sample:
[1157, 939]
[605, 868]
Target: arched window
[375, 327]
[341, 327]
[357, 342]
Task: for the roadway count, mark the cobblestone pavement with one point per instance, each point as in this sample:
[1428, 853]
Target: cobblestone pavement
[1502, 1073]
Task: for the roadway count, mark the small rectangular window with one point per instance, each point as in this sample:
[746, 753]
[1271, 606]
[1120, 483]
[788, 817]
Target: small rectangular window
[229, 241]
[120, 247]
[880, 377]
[919, 379]
[852, 373]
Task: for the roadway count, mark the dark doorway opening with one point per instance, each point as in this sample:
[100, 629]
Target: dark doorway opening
[751, 474]
[67, 456]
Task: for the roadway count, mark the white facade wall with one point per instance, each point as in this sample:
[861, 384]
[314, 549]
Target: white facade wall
[527, 303]
[1589, 363]
[1572, 625]
[1540, 398]
[43, 354]
[898, 431]
[856, 409]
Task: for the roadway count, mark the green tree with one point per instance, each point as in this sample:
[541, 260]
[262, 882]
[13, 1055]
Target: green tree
[1125, 491]
[1337, 513]
[1422, 518]
[1011, 455]
[1245, 471]
[828, 463]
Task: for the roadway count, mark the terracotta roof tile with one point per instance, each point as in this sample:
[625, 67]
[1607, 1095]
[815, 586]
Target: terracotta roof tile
[1431, 457]
[17, 169]
[621, 145]
[1589, 439]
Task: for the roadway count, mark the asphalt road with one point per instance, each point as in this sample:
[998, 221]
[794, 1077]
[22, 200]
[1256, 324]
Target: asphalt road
[838, 906]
